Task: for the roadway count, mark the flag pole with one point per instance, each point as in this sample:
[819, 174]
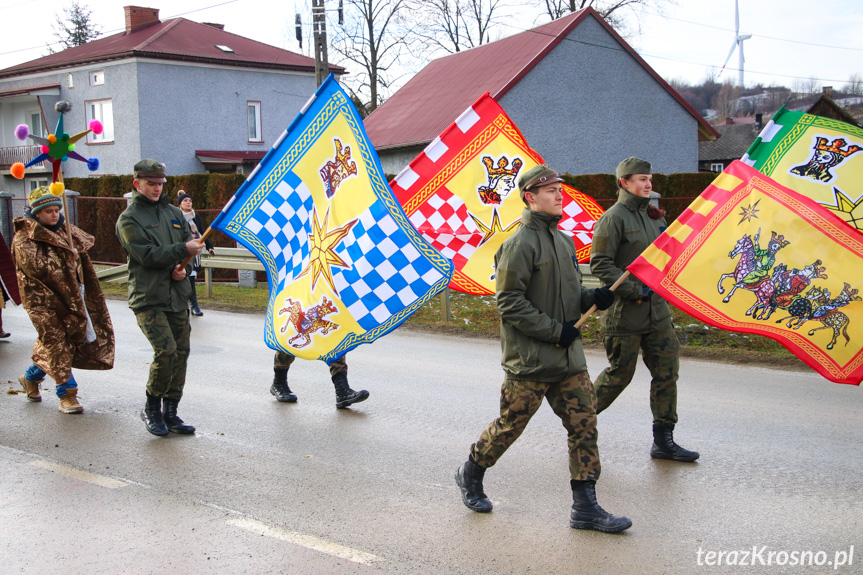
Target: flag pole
[200, 241]
[78, 271]
[592, 309]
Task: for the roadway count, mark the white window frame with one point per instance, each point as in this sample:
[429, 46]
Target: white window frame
[255, 117]
[97, 77]
[41, 130]
[98, 110]
[35, 182]
[717, 166]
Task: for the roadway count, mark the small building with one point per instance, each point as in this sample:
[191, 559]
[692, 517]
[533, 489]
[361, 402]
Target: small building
[582, 97]
[735, 137]
[190, 94]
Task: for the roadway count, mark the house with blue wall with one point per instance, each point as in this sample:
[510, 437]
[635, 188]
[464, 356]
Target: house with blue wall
[582, 97]
[189, 94]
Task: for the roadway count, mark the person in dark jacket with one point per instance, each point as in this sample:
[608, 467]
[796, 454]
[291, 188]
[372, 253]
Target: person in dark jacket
[639, 318]
[540, 298]
[157, 239]
[345, 396]
[184, 201]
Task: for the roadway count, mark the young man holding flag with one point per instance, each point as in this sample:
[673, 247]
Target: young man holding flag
[540, 298]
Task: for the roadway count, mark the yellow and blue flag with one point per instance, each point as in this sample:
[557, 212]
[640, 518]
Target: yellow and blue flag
[344, 264]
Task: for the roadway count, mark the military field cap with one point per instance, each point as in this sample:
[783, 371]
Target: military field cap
[150, 170]
[41, 198]
[631, 166]
[537, 176]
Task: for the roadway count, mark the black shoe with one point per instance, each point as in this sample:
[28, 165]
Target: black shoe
[587, 514]
[664, 446]
[283, 393]
[196, 310]
[172, 422]
[151, 415]
[469, 479]
[345, 396]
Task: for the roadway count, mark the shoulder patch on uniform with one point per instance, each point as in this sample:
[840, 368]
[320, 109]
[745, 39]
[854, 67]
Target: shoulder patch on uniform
[177, 225]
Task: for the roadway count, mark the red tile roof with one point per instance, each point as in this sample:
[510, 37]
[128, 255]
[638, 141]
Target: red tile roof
[175, 39]
[446, 87]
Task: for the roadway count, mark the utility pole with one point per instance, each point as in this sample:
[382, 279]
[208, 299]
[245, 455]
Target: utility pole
[319, 26]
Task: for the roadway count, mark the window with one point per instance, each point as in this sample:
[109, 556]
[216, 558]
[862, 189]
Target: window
[97, 77]
[254, 111]
[103, 111]
[70, 81]
[37, 126]
[716, 167]
[33, 183]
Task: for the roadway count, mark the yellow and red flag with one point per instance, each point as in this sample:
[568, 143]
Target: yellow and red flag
[818, 157]
[461, 194]
[750, 255]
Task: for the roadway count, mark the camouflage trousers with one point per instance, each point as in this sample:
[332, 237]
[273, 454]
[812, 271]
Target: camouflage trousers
[168, 333]
[660, 351]
[574, 402]
[284, 360]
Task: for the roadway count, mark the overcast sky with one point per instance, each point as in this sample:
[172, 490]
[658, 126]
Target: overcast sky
[793, 40]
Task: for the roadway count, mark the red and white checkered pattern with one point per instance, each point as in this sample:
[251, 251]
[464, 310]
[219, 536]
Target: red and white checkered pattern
[445, 223]
[576, 223]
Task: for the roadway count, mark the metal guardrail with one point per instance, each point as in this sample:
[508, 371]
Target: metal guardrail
[243, 259]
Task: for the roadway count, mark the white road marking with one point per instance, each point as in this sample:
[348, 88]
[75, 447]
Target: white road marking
[100, 480]
[307, 541]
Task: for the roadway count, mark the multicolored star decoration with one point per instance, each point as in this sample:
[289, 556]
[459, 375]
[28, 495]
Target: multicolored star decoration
[494, 227]
[322, 254]
[849, 210]
[749, 213]
[56, 148]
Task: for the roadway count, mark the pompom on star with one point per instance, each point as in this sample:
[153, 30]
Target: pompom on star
[57, 147]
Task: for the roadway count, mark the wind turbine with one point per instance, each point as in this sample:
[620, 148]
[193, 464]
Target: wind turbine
[738, 44]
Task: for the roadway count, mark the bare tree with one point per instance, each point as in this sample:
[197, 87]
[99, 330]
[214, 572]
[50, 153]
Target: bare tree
[725, 101]
[456, 25]
[806, 87]
[614, 11]
[854, 87]
[373, 38]
[75, 27]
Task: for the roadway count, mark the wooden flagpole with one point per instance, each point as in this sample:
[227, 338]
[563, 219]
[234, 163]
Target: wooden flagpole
[200, 241]
[592, 309]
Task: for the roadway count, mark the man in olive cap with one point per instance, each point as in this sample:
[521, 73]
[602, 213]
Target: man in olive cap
[540, 297]
[639, 318]
[157, 239]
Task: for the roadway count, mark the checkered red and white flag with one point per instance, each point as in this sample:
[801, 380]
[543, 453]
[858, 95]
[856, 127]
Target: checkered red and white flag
[461, 194]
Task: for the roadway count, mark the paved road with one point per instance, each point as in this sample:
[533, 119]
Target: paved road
[278, 488]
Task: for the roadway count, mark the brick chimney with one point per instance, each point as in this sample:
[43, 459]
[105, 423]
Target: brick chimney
[138, 17]
[729, 121]
[827, 91]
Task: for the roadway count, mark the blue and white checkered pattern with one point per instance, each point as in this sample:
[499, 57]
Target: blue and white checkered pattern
[283, 223]
[387, 272]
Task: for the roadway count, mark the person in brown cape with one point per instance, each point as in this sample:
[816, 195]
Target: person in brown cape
[8, 283]
[61, 293]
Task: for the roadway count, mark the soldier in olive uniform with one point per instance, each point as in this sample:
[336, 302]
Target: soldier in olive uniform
[639, 318]
[157, 239]
[540, 297]
[345, 396]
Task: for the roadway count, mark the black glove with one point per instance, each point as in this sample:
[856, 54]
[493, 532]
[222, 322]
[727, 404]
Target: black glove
[603, 297]
[568, 334]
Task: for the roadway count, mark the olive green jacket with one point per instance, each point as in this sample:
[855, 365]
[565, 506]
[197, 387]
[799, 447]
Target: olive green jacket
[538, 287]
[154, 235]
[620, 236]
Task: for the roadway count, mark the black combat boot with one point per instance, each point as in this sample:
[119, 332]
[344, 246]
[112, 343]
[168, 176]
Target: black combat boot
[151, 415]
[346, 396]
[280, 389]
[587, 514]
[664, 446]
[172, 422]
[469, 478]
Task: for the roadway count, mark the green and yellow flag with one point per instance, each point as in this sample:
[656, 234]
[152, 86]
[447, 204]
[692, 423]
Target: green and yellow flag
[820, 158]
